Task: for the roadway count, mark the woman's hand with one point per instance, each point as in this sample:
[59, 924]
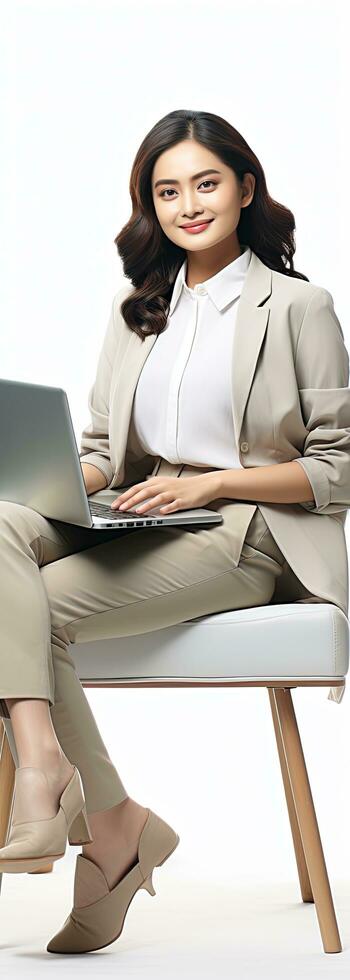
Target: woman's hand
[172, 493]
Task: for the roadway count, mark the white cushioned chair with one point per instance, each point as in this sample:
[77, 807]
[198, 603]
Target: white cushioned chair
[277, 646]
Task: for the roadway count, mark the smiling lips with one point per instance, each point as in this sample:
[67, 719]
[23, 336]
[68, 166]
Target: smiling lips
[197, 226]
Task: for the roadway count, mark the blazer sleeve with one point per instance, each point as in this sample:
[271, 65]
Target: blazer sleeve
[94, 444]
[322, 371]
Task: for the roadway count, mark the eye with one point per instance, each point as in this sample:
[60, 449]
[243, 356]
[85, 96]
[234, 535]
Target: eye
[163, 193]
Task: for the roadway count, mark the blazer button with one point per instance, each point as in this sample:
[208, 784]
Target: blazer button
[244, 447]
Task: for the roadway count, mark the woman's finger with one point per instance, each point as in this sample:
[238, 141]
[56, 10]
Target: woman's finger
[153, 502]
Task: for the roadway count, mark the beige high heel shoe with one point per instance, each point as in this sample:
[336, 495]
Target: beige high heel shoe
[98, 914]
[34, 843]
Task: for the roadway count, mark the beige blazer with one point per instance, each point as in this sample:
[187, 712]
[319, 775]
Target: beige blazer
[290, 400]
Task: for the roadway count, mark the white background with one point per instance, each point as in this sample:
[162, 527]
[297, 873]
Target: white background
[82, 83]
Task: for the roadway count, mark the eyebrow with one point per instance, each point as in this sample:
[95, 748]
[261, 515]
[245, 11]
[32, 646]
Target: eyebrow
[202, 173]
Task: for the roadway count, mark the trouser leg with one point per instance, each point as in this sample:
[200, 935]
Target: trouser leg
[71, 592]
[148, 581]
[29, 667]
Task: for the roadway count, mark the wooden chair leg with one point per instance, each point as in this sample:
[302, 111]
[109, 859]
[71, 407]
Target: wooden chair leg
[7, 781]
[307, 820]
[304, 880]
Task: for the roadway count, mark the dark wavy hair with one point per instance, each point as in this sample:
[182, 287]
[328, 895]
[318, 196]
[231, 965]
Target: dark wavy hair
[150, 260]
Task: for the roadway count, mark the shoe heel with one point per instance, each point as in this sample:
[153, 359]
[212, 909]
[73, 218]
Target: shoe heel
[148, 884]
[79, 831]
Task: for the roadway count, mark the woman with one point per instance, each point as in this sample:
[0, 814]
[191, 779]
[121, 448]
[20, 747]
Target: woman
[163, 392]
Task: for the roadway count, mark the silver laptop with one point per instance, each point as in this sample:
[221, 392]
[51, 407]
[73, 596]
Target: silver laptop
[40, 465]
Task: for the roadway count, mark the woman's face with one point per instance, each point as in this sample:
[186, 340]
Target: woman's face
[182, 197]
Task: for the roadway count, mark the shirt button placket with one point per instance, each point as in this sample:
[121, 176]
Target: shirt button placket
[183, 358]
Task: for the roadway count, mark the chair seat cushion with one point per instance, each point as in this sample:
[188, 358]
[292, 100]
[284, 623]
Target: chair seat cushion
[294, 640]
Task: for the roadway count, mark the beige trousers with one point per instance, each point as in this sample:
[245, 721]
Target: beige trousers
[62, 584]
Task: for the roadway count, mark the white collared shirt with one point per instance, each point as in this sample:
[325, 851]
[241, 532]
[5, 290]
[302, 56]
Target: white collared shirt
[182, 407]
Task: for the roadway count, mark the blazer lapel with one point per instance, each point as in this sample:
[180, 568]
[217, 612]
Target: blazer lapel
[128, 374]
[251, 323]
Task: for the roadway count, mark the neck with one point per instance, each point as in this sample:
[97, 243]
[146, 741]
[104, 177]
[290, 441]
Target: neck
[203, 265]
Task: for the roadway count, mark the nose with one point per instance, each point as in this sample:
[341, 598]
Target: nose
[191, 216]
[191, 210]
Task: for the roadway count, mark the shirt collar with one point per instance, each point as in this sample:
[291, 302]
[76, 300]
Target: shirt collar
[222, 288]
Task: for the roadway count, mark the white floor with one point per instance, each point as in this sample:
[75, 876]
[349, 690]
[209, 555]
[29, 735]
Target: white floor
[193, 928]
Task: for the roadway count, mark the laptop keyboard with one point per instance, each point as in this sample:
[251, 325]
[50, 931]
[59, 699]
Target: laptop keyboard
[103, 510]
